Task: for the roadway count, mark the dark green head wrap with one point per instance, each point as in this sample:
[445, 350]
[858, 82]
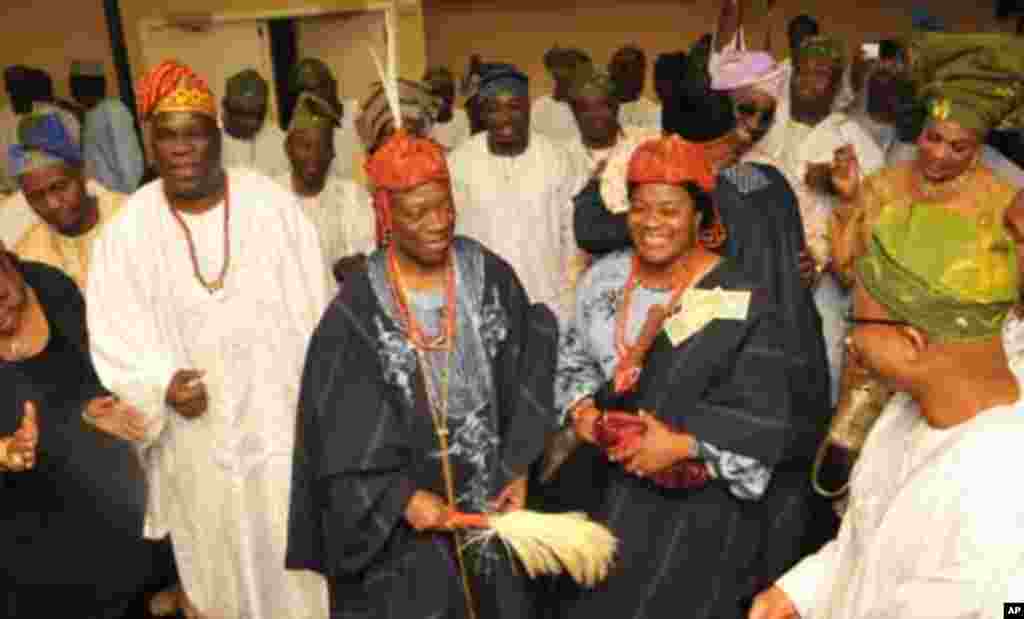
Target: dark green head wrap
[976, 80]
[951, 275]
[312, 112]
[589, 80]
[564, 62]
[247, 84]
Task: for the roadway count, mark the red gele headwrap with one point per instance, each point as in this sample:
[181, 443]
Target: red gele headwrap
[673, 161]
[174, 87]
[403, 162]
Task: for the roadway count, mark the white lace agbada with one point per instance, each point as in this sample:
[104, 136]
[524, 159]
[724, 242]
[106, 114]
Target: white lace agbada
[219, 484]
[521, 209]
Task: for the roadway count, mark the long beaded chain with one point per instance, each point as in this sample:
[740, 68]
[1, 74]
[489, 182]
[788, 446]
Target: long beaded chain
[622, 316]
[446, 338]
[444, 342]
[218, 283]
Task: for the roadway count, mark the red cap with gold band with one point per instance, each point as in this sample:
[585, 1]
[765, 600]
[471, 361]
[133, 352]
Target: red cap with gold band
[174, 87]
[402, 163]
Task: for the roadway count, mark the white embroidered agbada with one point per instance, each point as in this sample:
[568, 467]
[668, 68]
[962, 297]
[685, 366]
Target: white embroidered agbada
[553, 119]
[642, 113]
[343, 216]
[452, 133]
[933, 527]
[219, 484]
[264, 152]
[521, 209]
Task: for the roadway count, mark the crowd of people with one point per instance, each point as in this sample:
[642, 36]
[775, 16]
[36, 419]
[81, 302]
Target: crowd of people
[765, 329]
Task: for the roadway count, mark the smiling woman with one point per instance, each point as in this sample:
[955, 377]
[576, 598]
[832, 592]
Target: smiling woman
[697, 401]
[81, 480]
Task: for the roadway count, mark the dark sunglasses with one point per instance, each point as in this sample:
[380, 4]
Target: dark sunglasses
[749, 110]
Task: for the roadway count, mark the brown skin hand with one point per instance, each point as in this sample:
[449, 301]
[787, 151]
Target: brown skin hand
[57, 194]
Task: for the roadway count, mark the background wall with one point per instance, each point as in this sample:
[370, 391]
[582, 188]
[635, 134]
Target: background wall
[50, 36]
[341, 40]
[446, 31]
[412, 47]
[520, 31]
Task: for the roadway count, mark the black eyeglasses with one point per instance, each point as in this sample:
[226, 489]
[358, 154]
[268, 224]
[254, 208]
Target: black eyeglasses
[853, 321]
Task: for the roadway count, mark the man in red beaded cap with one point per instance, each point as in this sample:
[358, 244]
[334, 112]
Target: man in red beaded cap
[427, 387]
[201, 300]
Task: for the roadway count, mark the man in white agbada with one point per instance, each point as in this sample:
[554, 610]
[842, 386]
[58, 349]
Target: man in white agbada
[550, 115]
[249, 140]
[934, 520]
[339, 209]
[513, 190]
[201, 300]
[628, 70]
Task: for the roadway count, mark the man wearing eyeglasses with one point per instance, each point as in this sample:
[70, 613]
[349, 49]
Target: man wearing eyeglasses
[933, 517]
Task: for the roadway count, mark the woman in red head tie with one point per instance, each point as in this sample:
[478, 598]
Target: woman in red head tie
[685, 339]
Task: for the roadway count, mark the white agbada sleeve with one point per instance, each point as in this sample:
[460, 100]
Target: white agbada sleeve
[132, 356]
[305, 277]
[815, 573]
[570, 250]
[973, 577]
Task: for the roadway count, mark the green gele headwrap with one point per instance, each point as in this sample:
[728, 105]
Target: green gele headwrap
[589, 80]
[952, 275]
[564, 62]
[312, 112]
[821, 46]
[247, 84]
[975, 80]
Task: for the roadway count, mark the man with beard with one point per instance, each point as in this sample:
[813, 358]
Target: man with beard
[249, 140]
[451, 127]
[48, 167]
[202, 297]
[513, 188]
[550, 115]
[338, 208]
[628, 70]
